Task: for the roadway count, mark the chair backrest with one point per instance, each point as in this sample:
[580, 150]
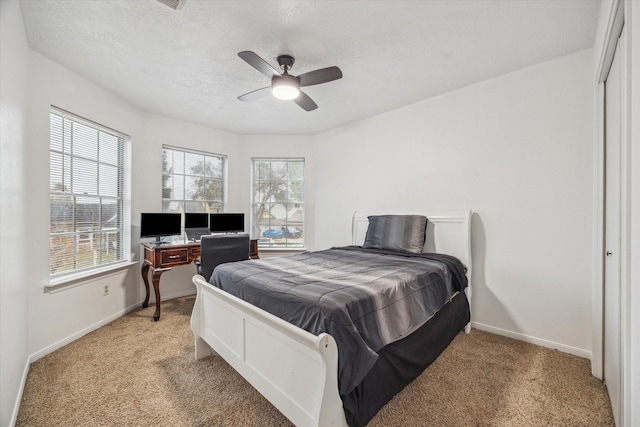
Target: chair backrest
[216, 249]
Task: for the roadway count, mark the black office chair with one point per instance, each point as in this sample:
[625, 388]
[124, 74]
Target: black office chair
[216, 249]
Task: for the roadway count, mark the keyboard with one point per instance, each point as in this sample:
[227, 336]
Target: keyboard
[194, 234]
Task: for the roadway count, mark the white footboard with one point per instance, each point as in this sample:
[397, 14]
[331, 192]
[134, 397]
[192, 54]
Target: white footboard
[294, 369]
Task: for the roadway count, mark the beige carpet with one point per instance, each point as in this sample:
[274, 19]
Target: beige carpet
[136, 372]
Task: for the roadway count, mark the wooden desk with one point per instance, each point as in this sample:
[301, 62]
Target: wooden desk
[161, 258]
[253, 249]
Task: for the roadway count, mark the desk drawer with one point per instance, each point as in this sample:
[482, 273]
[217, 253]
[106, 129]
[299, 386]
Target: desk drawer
[194, 252]
[175, 256]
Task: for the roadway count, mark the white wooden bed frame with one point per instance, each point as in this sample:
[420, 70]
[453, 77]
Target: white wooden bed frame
[294, 369]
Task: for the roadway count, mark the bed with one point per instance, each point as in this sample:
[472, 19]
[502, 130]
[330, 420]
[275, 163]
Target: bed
[300, 372]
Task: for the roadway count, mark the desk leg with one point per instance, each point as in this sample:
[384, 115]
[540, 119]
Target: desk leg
[156, 288]
[145, 270]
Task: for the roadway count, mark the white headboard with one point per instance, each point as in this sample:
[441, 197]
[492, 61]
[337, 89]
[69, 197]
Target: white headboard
[447, 233]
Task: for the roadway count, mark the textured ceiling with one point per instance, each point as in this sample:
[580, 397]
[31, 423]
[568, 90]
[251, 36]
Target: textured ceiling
[184, 63]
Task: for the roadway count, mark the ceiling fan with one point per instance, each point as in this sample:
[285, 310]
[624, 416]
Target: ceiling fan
[285, 86]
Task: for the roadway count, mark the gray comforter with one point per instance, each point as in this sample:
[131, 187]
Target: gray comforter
[364, 298]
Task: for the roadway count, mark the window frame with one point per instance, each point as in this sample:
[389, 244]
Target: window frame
[264, 243]
[182, 208]
[122, 199]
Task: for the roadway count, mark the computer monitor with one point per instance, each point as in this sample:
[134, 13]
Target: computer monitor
[196, 225]
[226, 222]
[196, 220]
[160, 224]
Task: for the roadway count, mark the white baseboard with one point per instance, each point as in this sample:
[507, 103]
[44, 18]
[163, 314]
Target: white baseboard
[53, 347]
[533, 340]
[171, 296]
[23, 382]
[50, 349]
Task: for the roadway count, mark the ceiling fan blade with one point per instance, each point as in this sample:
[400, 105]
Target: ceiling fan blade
[258, 63]
[255, 94]
[322, 75]
[305, 102]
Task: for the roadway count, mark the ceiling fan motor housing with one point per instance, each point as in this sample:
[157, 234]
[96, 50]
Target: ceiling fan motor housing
[286, 62]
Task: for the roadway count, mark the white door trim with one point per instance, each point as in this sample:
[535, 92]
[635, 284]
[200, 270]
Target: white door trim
[615, 22]
[613, 29]
[597, 311]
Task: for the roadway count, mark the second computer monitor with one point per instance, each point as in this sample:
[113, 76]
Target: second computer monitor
[196, 220]
[226, 222]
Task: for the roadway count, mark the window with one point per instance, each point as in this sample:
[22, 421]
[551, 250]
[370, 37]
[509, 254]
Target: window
[278, 203]
[192, 181]
[88, 224]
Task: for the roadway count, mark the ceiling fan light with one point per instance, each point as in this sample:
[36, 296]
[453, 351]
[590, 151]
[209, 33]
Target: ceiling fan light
[285, 87]
[285, 92]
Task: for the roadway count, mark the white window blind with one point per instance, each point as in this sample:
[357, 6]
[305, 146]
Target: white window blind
[192, 181]
[88, 228]
[278, 202]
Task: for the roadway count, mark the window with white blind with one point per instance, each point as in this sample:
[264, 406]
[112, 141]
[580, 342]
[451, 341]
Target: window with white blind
[278, 202]
[192, 181]
[89, 225]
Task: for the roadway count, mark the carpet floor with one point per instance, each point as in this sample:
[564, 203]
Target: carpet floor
[136, 372]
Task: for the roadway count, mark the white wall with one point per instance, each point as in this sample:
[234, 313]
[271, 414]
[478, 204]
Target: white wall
[57, 318]
[14, 246]
[517, 150]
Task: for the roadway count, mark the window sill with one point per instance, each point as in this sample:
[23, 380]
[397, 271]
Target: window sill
[282, 249]
[76, 279]
[269, 252]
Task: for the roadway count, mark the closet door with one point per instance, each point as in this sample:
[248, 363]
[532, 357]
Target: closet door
[613, 141]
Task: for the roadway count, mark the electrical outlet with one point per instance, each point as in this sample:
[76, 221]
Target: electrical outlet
[106, 290]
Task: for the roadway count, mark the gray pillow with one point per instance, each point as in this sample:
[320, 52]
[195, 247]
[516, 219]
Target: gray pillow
[403, 233]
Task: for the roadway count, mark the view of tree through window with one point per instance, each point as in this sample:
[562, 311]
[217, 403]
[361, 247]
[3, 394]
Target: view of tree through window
[278, 202]
[192, 181]
[86, 195]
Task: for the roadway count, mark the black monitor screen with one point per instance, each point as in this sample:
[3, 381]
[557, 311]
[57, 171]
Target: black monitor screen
[226, 223]
[196, 220]
[160, 224]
